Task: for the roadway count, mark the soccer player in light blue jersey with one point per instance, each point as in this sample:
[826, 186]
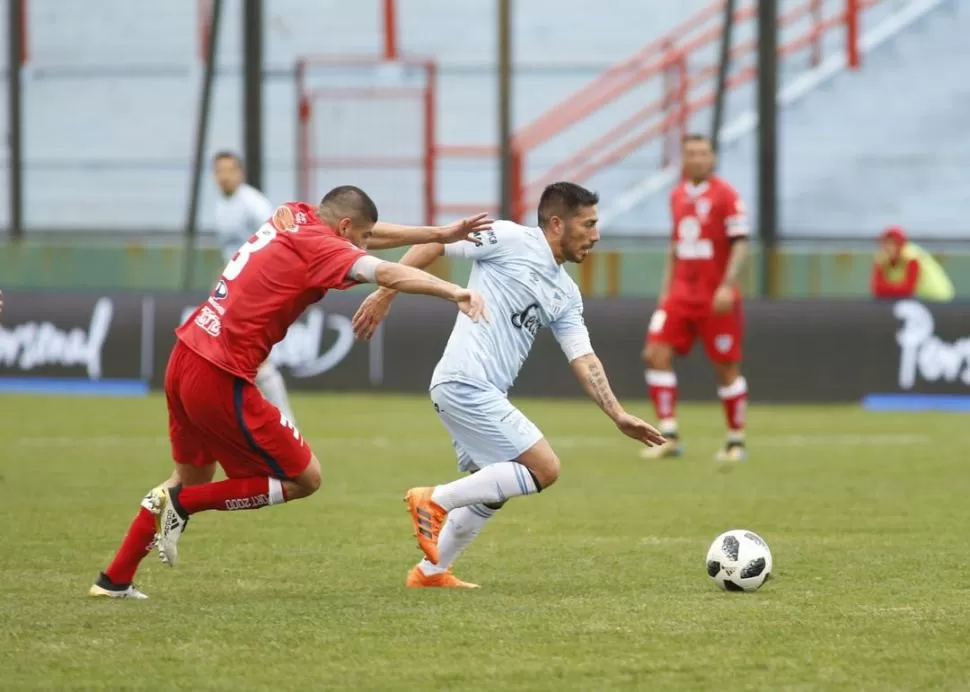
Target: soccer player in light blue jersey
[519, 271]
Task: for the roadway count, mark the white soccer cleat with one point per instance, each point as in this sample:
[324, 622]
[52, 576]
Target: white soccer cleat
[130, 592]
[103, 588]
[169, 525]
[669, 449]
[731, 454]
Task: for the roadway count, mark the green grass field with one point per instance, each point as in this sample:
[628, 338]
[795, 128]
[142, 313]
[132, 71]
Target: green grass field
[596, 584]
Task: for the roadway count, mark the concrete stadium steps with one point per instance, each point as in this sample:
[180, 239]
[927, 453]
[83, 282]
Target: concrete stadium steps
[884, 145]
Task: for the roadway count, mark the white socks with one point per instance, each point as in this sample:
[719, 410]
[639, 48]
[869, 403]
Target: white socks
[271, 384]
[493, 484]
[461, 528]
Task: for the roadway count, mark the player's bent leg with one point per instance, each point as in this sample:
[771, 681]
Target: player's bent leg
[733, 392]
[535, 469]
[271, 383]
[461, 528]
[532, 470]
[662, 387]
[116, 580]
[491, 430]
[173, 506]
[266, 460]
[306, 483]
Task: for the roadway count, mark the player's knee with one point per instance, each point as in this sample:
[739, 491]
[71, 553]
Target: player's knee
[546, 473]
[312, 478]
[727, 373]
[657, 357]
[306, 483]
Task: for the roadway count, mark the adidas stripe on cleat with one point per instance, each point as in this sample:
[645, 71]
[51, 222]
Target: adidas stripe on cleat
[427, 517]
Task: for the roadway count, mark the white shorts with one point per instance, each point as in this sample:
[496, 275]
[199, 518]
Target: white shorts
[485, 427]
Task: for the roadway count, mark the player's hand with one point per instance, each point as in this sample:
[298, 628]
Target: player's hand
[723, 299]
[371, 313]
[472, 304]
[631, 426]
[464, 228]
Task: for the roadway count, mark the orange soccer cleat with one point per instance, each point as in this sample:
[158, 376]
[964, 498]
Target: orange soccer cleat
[427, 517]
[446, 580]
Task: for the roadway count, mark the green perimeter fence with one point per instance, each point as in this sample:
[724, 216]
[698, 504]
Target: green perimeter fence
[635, 272]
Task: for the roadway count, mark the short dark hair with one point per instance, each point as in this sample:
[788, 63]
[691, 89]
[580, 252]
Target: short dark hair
[226, 154]
[349, 201]
[564, 200]
[696, 137]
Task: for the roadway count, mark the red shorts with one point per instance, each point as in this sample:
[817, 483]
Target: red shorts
[216, 416]
[677, 326]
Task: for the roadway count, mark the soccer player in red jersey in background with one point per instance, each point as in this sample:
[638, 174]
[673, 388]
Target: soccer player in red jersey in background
[216, 413]
[700, 298]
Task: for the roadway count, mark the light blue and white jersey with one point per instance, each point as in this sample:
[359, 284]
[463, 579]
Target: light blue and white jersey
[525, 289]
[238, 216]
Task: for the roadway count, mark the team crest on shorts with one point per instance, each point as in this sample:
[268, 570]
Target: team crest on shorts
[723, 342]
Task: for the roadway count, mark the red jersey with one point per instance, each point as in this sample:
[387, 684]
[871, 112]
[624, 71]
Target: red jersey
[287, 265]
[707, 217]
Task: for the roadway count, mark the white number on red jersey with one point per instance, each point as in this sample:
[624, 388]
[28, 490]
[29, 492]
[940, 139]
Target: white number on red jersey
[690, 245]
[263, 237]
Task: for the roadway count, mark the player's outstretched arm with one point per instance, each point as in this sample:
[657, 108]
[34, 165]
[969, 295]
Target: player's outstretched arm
[375, 307]
[591, 375]
[398, 277]
[390, 235]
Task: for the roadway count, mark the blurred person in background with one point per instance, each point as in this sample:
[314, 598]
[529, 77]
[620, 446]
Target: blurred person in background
[700, 299]
[902, 269]
[240, 210]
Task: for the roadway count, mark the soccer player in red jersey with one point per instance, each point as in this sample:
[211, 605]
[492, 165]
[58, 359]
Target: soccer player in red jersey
[700, 298]
[216, 413]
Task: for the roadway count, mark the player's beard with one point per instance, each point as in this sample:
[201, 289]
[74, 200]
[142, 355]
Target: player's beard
[578, 255]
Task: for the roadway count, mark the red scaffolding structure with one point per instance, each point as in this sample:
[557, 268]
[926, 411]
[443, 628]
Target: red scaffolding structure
[686, 88]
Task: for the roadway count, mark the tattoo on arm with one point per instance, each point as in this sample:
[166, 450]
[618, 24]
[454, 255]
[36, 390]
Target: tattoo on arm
[598, 387]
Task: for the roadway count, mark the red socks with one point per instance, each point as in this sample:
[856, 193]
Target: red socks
[229, 495]
[137, 544]
[735, 400]
[662, 385]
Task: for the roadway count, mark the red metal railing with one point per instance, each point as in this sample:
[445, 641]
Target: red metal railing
[24, 34]
[309, 161]
[672, 59]
[203, 15]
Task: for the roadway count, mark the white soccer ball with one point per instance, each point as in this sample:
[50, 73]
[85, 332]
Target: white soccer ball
[739, 560]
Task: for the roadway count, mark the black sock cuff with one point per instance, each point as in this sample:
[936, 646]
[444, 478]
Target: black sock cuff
[534, 480]
[173, 494]
[105, 583]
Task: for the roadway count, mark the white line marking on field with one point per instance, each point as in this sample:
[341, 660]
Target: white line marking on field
[667, 540]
